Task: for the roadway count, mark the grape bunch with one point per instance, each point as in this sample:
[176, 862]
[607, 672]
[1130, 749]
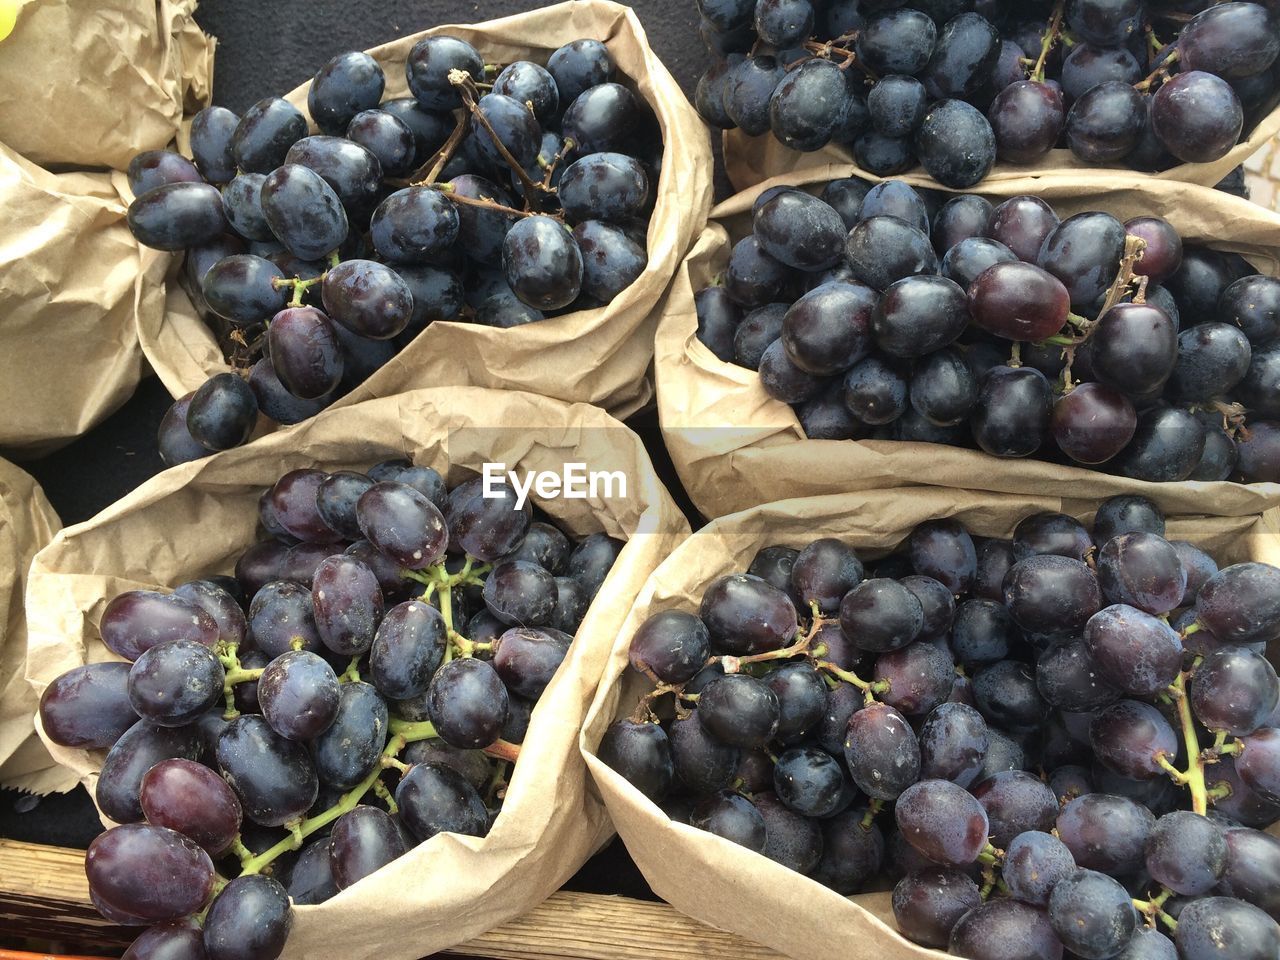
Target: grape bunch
[1058, 744]
[889, 313]
[498, 195]
[362, 683]
[955, 84]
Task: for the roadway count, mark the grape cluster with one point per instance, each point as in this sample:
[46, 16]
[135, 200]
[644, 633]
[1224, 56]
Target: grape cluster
[958, 83]
[889, 313]
[498, 195]
[955, 84]
[256, 720]
[1059, 744]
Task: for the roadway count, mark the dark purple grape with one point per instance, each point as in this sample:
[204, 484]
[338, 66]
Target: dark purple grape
[874, 392]
[753, 278]
[602, 118]
[1093, 422]
[881, 751]
[273, 778]
[348, 751]
[886, 249]
[193, 800]
[955, 142]
[303, 211]
[970, 257]
[408, 648]
[1187, 853]
[739, 710]
[344, 86]
[881, 615]
[828, 330]
[1084, 253]
[790, 839]
[1092, 914]
[298, 693]
[611, 259]
[920, 677]
[88, 706]
[137, 750]
[1105, 124]
[174, 216]
[1219, 927]
[149, 872]
[733, 817]
[813, 105]
[137, 620]
[351, 171]
[1087, 65]
[222, 412]
[1126, 514]
[810, 782]
[467, 703]
[1022, 224]
[702, 763]
[348, 605]
[305, 352]
[1069, 677]
[519, 592]
[746, 615]
[282, 618]
[1259, 763]
[1005, 930]
[1136, 651]
[367, 298]
[802, 699]
[897, 104]
[1051, 594]
[428, 67]
[403, 524]
[1197, 116]
[1013, 411]
[1134, 348]
[1034, 863]
[542, 263]
[293, 498]
[172, 683]
[154, 168]
[673, 645]
[1106, 832]
[967, 48]
[953, 742]
[249, 920]
[897, 42]
[1015, 802]
[1252, 872]
[1241, 603]
[363, 840]
[1162, 254]
[1234, 689]
[490, 526]
[1131, 737]
[929, 902]
[943, 821]
[527, 658]
[173, 440]
[387, 137]
[883, 156]
[641, 753]
[182, 940]
[414, 225]
[212, 130]
[1252, 304]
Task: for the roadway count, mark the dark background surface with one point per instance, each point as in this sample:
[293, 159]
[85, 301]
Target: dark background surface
[263, 54]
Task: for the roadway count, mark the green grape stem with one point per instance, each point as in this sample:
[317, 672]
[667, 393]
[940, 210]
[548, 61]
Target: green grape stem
[1153, 909]
[1193, 777]
[440, 582]
[403, 733]
[1051, 37]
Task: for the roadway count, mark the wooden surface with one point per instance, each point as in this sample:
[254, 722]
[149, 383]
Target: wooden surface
[44, 895]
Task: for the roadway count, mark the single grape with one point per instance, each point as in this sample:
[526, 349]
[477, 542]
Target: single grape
[1003, 929]
[1015, 802]
[1234, 689]
[1131, 738]
[249, 920]
[1092, 914]
[194, 801]
[640, 752]
[150, 872]
[1105, 832]
[1034, 864]
[1219, 927]
[88, 706]
[274, 778]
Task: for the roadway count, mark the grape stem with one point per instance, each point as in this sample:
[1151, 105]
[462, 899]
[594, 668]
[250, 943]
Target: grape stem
[869, 688]
[467, 91]
[1193, 777]
[381, 791]
[1048, 41]
[1153, 909]
[1133, 249]
[404, 733]
[550, 168]
[484, 203]
[825, 50]
[300, 286]
[1159, 73]
[873, 810]
[440, 582]
[425, 175]
[352, 673]
[504, 750]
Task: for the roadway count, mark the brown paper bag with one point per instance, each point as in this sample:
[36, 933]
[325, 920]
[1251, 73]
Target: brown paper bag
[725, 885]
[74, 285]
[196, 518]
[593, 356]
[27, 523]
[735, 446]
[749, 160]
[91, 84]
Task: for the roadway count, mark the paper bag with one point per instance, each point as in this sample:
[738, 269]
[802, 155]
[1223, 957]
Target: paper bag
[196, 518]
[27, 523]
[75, 284]
[598, 356]
[90, 84]
[726, 885]
[734, 446]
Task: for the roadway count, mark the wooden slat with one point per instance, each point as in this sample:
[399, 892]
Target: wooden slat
[44, 895]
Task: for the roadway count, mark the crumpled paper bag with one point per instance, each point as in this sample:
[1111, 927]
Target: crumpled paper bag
[196, 518]
[749, 160]
[90, 83]
[74, 285]
[27, 523]
[598, 356]
[725, 885]
[734, 446]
